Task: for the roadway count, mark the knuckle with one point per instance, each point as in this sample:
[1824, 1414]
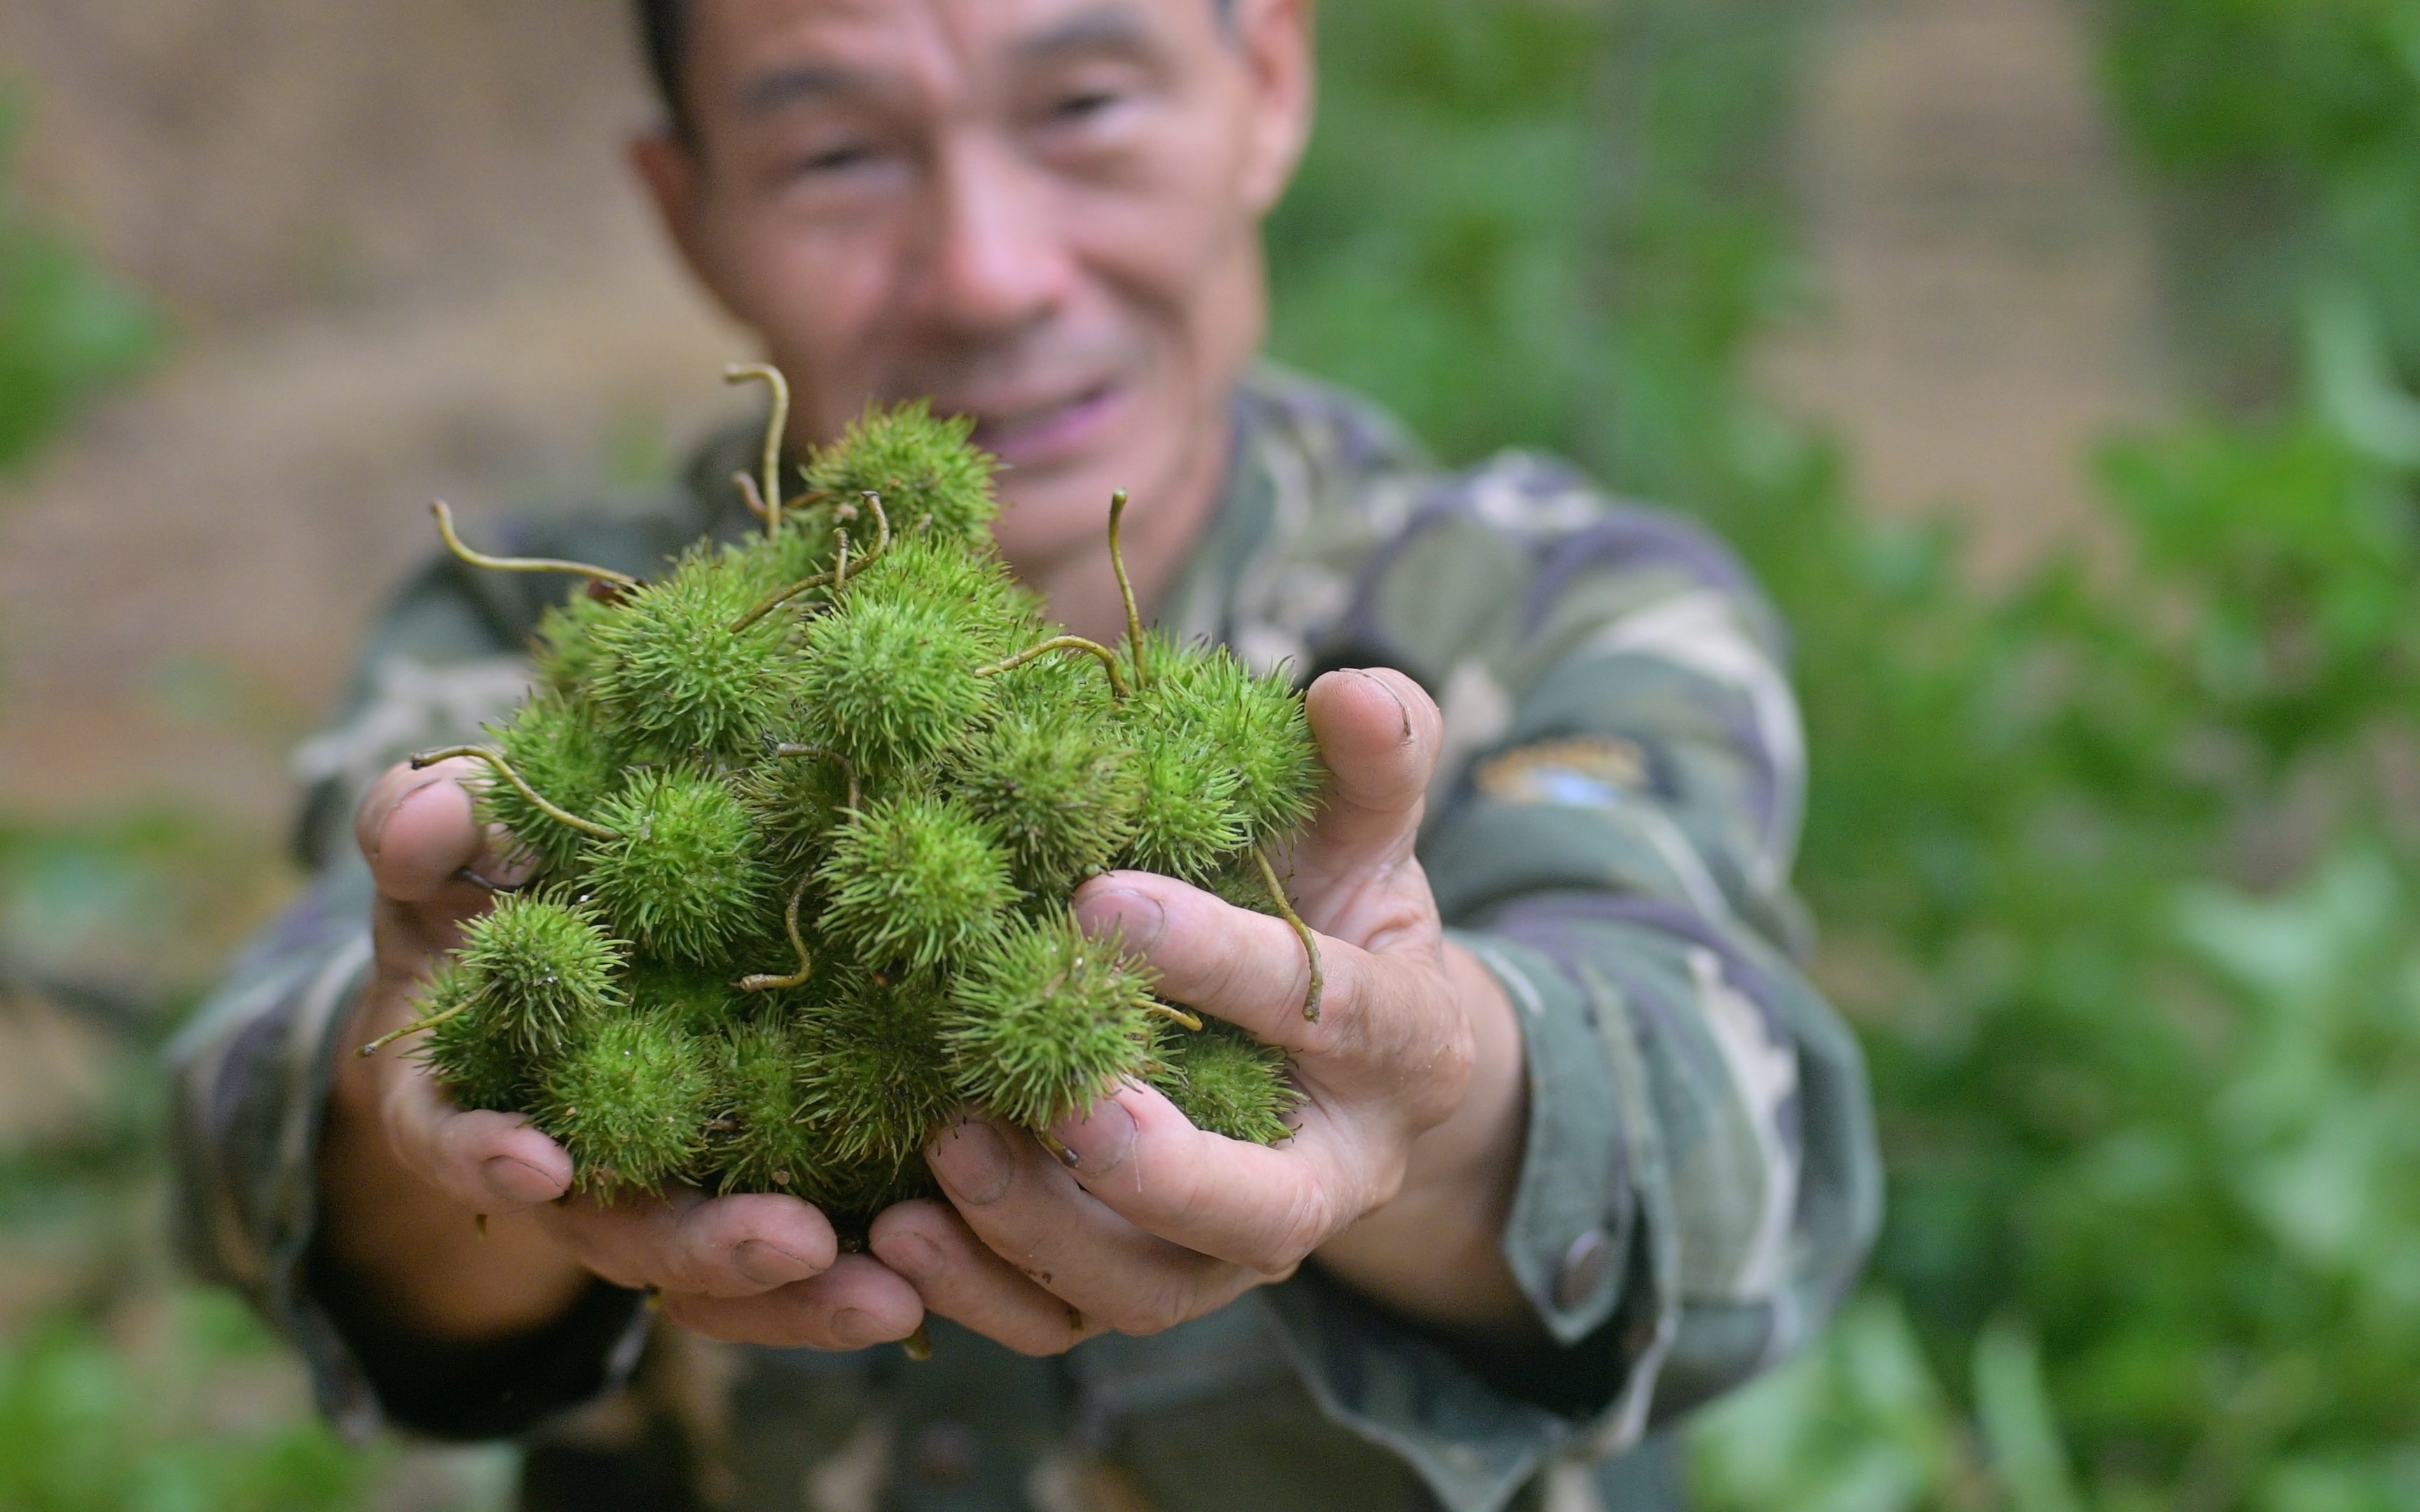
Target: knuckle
[1306, 1225]
[1162, 1308]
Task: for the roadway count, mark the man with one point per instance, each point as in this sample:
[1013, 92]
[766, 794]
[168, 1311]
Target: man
[1565, 1171]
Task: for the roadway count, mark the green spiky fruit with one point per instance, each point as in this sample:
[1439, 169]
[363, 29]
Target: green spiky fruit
[1227, 1083]
[972, 590]
[556, 746]
[1045, 1020]
[547, 964]
[630, 1103]
[872, 1076]
[1187, 819]
[1254, 727]
[684, 876]
[796, 801]
[804, 879]
[764, 1141]
[566, 650]
[677, 679]
[1060, 793]
[470, 1046]
[917, 880]
[931, 480]
[702, 1002]
[890, 683]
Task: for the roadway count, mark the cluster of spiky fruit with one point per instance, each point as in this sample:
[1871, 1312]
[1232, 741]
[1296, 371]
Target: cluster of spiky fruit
[804, 815]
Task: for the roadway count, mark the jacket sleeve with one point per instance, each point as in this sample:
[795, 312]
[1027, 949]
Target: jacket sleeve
[251, 1072]
[1623, 779]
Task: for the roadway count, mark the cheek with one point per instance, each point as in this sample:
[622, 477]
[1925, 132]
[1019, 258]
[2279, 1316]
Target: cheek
[1167, 249]
[820, 295]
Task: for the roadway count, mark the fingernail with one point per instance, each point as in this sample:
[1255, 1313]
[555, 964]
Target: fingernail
[1134, 917]
[771, 1264]
[913, 1255]
[1387, 687]
[973, 1162]
[502, 867]
[516, 1179]
[1103, 1141]
[856, 1328]
[377, 830]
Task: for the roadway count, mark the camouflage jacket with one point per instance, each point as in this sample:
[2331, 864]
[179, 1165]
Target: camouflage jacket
[1611, 833]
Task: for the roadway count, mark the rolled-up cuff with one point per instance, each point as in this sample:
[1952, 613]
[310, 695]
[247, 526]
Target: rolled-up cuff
[1568, 1238]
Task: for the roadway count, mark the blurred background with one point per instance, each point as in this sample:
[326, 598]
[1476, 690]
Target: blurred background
[2053, 360]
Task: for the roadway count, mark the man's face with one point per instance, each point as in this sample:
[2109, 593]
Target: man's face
[1041, 213]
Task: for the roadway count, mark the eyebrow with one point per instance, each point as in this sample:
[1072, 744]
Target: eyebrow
[769, 92]
[1103, 28]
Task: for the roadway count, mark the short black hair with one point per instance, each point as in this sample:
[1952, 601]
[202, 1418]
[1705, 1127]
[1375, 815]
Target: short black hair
[663, 33]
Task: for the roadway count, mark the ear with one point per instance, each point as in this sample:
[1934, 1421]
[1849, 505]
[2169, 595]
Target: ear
[1275, 39]
[669, 169]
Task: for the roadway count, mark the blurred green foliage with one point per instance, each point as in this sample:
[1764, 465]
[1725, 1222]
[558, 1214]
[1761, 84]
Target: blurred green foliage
[119, 1391]
[2119, 870]
[98, 1423]
[66, 330]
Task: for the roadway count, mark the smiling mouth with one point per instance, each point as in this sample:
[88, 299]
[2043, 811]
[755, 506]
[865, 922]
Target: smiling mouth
[1042, 426]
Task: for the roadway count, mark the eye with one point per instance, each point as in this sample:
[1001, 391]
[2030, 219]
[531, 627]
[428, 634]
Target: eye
[836, 158]
[1084, 106]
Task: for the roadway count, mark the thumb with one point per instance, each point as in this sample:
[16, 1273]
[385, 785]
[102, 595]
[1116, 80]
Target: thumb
[1378, 732]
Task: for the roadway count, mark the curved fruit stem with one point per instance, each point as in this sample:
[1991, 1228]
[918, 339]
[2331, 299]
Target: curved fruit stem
[798, 943]
[1107, 658]
[416, 1025]
[775, 426]
[837, 578]
[444, 513]
[1302, 931]
[1175, 1016]
[1125, 590]
[505, 769]
[848, 768]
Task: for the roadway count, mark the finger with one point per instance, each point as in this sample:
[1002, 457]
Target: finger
[491, 1163]
[752, 1242]
[857, 1303]
[1379, 734]
[418, 831]
[681, 1241]
[1027, 1209]
[963, 1280]
[1245, 968]
[1261, 1208]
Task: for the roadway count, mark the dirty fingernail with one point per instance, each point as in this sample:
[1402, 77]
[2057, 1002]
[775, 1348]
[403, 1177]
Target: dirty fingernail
[1101, 1142]
[855, 1328]
[913, 1255]
[973, 1162]
[378, 827]
[518, 1181]
[769, 1263]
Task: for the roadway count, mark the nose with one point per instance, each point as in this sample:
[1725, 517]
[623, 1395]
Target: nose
[993, 262]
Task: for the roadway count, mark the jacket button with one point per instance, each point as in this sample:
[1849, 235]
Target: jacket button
[1583, 1269]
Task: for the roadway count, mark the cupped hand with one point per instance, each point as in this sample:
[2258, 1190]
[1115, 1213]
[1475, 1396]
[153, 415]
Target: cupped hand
[464, 1221]
[1405, 1151]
